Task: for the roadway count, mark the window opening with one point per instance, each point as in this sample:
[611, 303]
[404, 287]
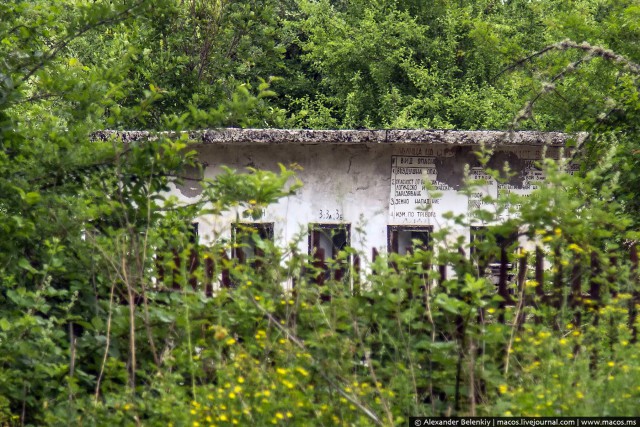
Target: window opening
[175, 253]
[401, 238]
[500, 270]
[325, 243]
[245, 237]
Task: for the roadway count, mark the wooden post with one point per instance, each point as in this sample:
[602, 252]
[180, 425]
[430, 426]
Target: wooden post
[522, 301]
[318, 263]
[356, 274]
[594, 285]
[575, 297]
[576, 282]
[176, 269]
[442, 270]
[542, 297]
[225, 280]
[557, 291]
[209, 268]
[194, 263]
[635, 294]
[160, 268]
[540, 274]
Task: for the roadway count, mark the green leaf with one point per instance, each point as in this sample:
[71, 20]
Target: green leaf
[32, 197]
[24, 264]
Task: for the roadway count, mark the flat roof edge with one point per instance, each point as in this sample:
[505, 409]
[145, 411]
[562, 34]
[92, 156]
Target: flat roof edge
[234, 136]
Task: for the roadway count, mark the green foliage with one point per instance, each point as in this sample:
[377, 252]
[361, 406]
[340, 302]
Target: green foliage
[386, 64]
[376, 64]
[207, 58]
[255, 189]
[100, 323]
[83, 219]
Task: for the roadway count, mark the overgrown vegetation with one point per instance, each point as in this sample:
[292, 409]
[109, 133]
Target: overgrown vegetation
[92, 331]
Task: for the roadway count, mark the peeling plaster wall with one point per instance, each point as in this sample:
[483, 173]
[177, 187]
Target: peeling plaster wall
[359, 184]
[351, 182]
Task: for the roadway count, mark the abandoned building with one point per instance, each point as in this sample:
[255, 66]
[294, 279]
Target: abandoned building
[366, 188]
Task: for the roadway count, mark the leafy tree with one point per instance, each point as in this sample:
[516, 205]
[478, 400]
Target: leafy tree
[201, 56]
[82, 218]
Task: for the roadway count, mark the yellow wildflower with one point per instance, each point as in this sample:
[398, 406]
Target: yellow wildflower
[287, 384]
[575, 248]
[220, 333]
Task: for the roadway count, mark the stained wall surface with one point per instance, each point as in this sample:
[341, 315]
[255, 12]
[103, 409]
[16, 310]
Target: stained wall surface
[368, 186]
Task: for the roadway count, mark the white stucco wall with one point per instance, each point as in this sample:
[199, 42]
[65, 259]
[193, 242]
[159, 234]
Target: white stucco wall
[368, 186]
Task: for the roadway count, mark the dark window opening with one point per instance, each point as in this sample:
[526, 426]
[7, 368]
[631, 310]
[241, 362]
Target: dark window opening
[182, 267]
[193, 233]
[325, 243]
[495, 264]
[401, 239]
[246, 238]
[194, 258]
[404, 240]
[247, 247]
